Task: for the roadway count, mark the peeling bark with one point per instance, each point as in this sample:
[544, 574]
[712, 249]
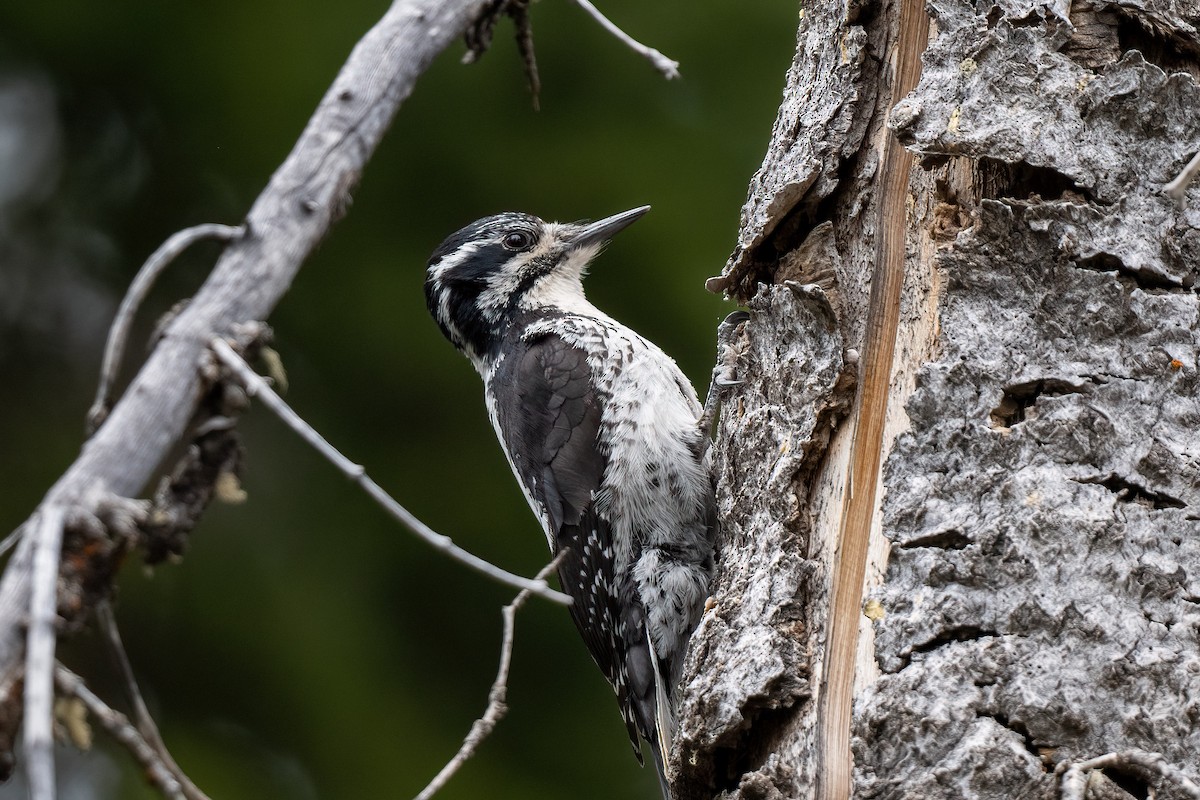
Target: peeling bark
[748, 674]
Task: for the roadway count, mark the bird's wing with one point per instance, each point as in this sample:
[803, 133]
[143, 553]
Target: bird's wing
[551, 427]
[550, 422]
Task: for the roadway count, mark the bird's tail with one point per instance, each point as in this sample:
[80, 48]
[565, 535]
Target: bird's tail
[660, 767]
[664, 719]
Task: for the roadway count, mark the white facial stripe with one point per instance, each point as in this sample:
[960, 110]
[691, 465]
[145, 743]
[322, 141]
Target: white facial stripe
[494, 299]
[455, 259]
[444, 313]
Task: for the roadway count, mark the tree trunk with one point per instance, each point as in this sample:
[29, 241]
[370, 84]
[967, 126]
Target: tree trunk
[960, 482]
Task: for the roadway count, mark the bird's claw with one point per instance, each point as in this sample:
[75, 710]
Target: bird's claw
[724, 374]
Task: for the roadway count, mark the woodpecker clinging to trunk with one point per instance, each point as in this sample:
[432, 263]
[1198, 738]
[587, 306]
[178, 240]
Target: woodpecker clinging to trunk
[602, 431]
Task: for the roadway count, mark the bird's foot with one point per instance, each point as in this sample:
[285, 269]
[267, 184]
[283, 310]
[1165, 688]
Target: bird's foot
[724, 374]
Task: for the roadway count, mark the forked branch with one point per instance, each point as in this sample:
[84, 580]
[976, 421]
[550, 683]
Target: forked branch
[142, 283]
[497, 698]
[158, 773]
[305, 196]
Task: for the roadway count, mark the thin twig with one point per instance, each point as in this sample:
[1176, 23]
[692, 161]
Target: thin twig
[118, 334]
[256, 386]
[39, 654]
[120, 728]
[11, 540]
[1074, 779]
[1178, 187]
[145, 723]
[497, 706]
[668, 67]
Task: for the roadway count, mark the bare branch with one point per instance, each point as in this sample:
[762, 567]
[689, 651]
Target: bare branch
[1178, 187]
[39, 653]
[11, 540]
[145, 723]
[497, 706]
[305, 196]
[121, 729]
[118, 334]
[1074, 782]
[668, 67]
[258, 387]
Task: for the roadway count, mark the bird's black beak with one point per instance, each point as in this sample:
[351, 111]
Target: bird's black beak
[602, 230]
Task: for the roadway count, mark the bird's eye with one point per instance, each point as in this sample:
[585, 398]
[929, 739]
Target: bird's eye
[517, 240]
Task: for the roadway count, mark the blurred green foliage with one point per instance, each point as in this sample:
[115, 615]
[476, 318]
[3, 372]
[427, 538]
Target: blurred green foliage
[306, 646]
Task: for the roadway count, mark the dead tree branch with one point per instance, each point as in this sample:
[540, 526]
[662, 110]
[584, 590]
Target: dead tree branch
[146, 727]
[668, 67]
[39, 653]
[304, 197]
[479, 38]
[1178, 187]
[258, 387]
[143, 282]
[157, 771]
[497, 706]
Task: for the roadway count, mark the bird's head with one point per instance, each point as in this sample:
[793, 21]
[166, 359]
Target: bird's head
[490, 272]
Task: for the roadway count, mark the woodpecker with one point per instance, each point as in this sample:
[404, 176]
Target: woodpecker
[603, 433]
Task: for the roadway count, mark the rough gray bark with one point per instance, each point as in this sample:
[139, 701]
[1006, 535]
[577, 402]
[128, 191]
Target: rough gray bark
[1042, 596]
[749, 721]
[748, 667]
[1031, 598]
[303, 199]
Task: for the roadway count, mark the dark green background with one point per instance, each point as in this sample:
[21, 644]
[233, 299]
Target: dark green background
[307, 646]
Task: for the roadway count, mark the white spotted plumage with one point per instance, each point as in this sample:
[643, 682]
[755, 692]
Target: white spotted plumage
[649, 426]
